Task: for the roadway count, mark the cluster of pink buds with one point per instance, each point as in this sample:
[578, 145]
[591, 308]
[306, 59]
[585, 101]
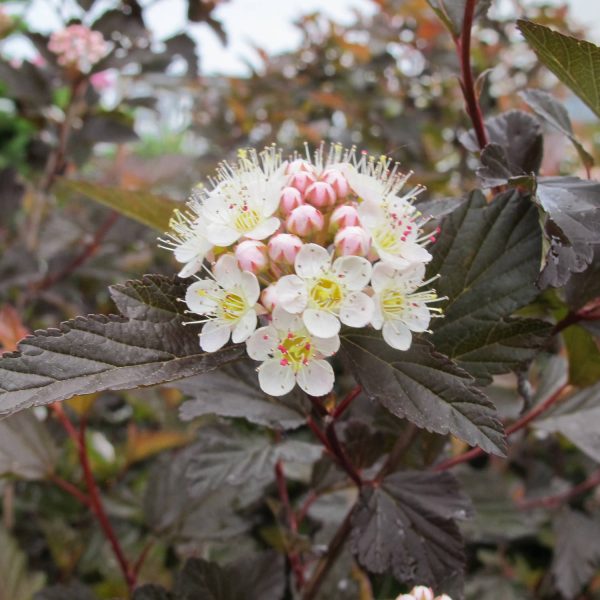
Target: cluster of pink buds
[420, 592]
[78, 47]
[303, 246]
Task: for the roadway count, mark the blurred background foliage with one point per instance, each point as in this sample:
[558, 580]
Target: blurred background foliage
[149, 120]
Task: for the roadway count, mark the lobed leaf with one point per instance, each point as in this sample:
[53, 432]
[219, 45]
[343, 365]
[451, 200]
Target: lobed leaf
[572, 230]
[487, 257]
[545, 106]
[425, 387]
[577, 551]
[97, 353]
[575, 62]
[144, 207]
[406, 525]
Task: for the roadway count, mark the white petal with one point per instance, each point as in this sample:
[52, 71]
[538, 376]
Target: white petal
[316, 378]
[370, 214]
[250, 286]
[200, 296]
[227, 272]
[354, 271]
[377, 318]
[221, 235]
[415, 253]
[191, 267]
[192, 248]
[291, 294]
[214, 205]
[321, 323]
[397, 335]
[364, 186]
[417, 317]
[412, 277]
[262, 343]
[356, 310]
[312, 260]
[215, 334]
[382, 277]
[397, 262]
[244, 327]
[285, 321]
[326, 346]
[265, 229]
[275, 379]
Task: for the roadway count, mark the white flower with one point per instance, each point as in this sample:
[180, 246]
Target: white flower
[228, 302]
[244, 199]
[187, 240]
[290, 354]
[327, 293]
[398, 309]
[395, 231]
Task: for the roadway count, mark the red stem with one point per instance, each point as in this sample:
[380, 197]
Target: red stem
[340, 454]
[516, 426]
[463, 46]
[345, 403]
[293, 556]
[308, 502]
[556, 500]
[70, 489]
[93, 500]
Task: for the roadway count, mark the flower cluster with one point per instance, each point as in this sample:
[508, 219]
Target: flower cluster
[78, 47]
[303, 246]
[420, 592]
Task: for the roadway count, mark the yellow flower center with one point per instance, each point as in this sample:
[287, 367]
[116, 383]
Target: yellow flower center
[247, 219]
[385, 237]
[232, 307]
[392, 302]
[327, 293]
[296, 351]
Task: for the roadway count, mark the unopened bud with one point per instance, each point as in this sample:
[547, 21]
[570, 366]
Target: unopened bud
[251, 256]
[284, 247]
[337, 181]
[268, 297]
[291, 198]
[304, 220]
[353, 241]
[420, 592]
[343, 216]
[320, 194]
[295, 166]
[301, 180]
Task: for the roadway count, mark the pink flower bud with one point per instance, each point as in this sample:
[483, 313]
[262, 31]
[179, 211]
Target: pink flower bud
[420, 592]
[268, 297]
[290, 199]
[352, 241]
[337, 181]
[320, 194]
[295, 166]
[301, 180]
[283, 248]
[304, 220]
[343, 216]
[251, 256]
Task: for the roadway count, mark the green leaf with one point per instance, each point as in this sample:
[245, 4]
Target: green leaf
[406, 525]
[257, 576]
[27, 450]
[577, 551]
[230, 457]
[452, 12]
[572, 228]
[144, 207]
[424, 387]
[15, 580]
[97, 353]
[233, 391]
[575, 62]
[577, 419]
[545, 106]
[488, 256]
[584, 356]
